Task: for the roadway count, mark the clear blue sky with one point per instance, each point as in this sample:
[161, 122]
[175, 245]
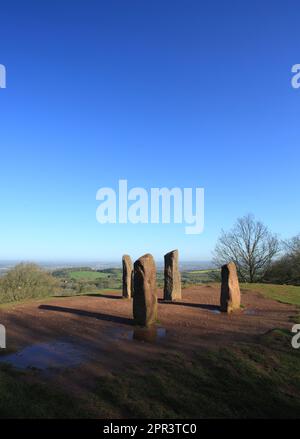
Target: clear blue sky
[161, 93]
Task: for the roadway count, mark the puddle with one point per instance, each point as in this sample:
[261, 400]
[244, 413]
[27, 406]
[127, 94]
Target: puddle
[250, 312]
[43, 356]
[215, 311]
[150, 335]
[247, 312]
[61, 354]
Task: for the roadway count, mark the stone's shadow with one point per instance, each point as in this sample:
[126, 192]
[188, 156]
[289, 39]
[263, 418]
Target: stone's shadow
[105, 296]
[95, 315]
[194, 305]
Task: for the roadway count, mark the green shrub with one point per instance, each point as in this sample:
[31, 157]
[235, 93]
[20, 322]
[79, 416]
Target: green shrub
[26, 281]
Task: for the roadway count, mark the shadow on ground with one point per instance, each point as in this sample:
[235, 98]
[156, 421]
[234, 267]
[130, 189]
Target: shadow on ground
[195, 305]
[95, 315]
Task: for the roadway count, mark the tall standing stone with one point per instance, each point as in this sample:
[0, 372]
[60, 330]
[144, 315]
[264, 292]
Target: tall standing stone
[127, 276]
[172, 286]
[145, 291]
[230, 289]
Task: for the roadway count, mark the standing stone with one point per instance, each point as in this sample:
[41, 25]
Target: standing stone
[172, 287]
[127, 276]
[230, 289]
[145, 292]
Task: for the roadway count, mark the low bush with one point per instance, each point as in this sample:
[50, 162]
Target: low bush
[26, 281]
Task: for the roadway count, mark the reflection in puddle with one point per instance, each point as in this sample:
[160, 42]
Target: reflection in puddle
[150, 335]
[215, 311]
[250, 312]
[46, 356]
[61, 354]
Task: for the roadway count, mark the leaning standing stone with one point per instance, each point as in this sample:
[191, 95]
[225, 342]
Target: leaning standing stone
[230, 289]
[127, 276]
[145, 292]
[172, 286]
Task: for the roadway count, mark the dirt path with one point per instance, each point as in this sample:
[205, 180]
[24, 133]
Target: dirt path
[102, 326]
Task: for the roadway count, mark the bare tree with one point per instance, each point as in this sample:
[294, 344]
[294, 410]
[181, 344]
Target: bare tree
[292, 245]
[250, 245]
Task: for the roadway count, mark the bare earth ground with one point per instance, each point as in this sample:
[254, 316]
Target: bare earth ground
[103, 326]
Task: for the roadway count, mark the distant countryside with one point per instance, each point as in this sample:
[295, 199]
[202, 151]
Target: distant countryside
[80, 280]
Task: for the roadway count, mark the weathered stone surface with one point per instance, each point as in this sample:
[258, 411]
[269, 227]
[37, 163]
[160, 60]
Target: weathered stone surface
[230, 289]
[145, 291]
[172, 285]
[127, 276]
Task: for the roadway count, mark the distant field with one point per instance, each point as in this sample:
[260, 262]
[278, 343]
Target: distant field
[88, 275]
[199, 276]
[115, 276]
[201, 271]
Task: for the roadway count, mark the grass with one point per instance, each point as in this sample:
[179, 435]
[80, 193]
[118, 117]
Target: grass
[260, 380]
[248, 380]
[282, 293]
[289, 294]
[21, 397]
